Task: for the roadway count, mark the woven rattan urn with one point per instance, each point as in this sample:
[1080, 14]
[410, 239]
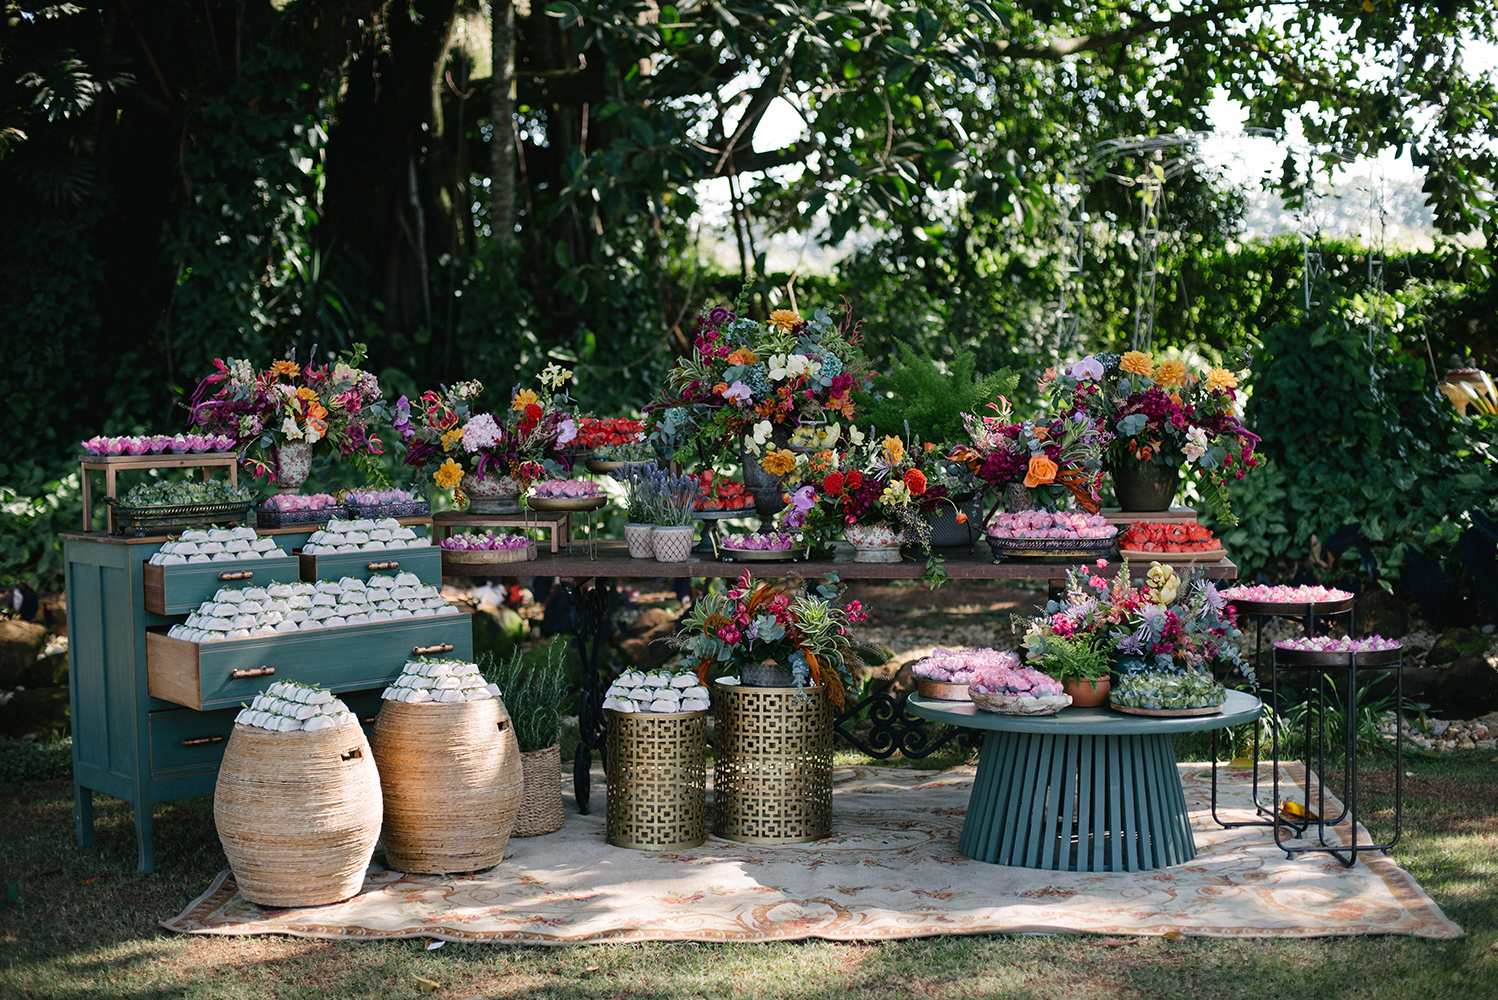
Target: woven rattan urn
[451, 776]
[772, 764]
[657, 780]
[298, 813]
[541, 798]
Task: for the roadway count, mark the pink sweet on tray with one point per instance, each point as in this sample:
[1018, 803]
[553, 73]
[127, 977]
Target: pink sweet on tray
[960, 666]
[1280, 594]
[373, 497]
[1049, 524]
[1004, 680]
[579, 489]
[775, 541]
[297, 501]
[1340, 644]
[487, 542]
[155, 444]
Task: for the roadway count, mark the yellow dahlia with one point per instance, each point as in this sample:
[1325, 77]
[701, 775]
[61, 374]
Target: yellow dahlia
[778, 462]
[448, 476]
[524, 398]
[894, 450]
[1221, 378]
[784, 319]
[1137, 363]
[288, 368]
[450, 438]
[1170, 374]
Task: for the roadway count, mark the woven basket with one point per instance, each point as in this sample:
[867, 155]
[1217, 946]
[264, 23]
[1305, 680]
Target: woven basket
[451, 775]
[298, 813]
[657, 780]
[541, 795]
[772, 765]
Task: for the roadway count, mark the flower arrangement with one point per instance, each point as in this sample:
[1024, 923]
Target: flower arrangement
[1282, 594]
[1340, 644]
[763, 379]
[1056, 459]
[156, 444]
[885, 485]
[1167, 635]
[447, 438]
[1164, 414]
[750, 624]
[485, 542]
[639, 497]
[336, 406]
[675, 498]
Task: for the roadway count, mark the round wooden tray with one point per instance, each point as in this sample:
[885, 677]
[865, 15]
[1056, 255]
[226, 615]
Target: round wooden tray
[1138, 555]
[757, 555]
[1167, 713]
[482, 557]
[941, 690]
[565, 503]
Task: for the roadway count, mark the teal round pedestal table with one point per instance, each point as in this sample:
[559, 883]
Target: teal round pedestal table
[1086, 789]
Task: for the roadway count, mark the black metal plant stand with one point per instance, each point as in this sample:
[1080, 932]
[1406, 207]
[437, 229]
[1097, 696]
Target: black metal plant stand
[1305, 613]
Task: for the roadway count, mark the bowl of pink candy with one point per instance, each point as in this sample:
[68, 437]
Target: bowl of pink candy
[1253, 599]
[772, 546]
[487, 547]
[1032, 533]
[375, 504]
[1329, 651]
[287, 509]
[946, 673]
[1016, 690]
[566, 494]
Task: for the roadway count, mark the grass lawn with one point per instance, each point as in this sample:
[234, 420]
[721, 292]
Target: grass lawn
[85, 926]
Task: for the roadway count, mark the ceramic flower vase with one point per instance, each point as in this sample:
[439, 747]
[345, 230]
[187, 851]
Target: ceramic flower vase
[491, 494]
[672, 543]
[637, 537]
[873, 543]
[293, 465]
[1086, 694]
[1145, 486]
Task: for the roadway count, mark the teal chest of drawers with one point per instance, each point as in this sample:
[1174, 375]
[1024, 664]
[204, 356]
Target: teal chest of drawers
[134, 744]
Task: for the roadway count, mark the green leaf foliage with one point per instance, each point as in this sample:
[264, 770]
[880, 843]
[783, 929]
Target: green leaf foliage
[930, 396]
[533, 693]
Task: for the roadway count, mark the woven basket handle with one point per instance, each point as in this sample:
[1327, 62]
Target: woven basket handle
[392, 564]
[239, 675]
[441, 647]
[243, 574]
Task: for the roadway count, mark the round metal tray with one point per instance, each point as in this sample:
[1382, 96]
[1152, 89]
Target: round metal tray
[565, 503]
[1332, 658]
[1037, 548]
[1290, 610]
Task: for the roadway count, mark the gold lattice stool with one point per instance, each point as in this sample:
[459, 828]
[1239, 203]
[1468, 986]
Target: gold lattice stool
[772, 765]
[657, 780]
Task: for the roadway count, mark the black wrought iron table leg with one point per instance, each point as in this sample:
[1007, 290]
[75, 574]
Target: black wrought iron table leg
[590, 635]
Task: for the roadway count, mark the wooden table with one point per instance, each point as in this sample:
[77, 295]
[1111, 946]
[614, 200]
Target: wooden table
[614, 561]
[1086, 789]
[111, 465]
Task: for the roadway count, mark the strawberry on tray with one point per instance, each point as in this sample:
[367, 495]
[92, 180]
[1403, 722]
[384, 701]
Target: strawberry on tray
[717, 494]
[1165, 540]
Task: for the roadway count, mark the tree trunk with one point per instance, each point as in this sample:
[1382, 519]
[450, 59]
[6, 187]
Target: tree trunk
[502, 112]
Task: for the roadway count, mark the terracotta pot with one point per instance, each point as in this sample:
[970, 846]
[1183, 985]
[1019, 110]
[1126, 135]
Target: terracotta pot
[1086, 694]
[293, 464]
[637, 536]
[1144, 486]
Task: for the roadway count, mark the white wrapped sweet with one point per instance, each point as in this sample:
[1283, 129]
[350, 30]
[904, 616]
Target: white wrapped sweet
[287, 707]
[658, 691]
[444, 681]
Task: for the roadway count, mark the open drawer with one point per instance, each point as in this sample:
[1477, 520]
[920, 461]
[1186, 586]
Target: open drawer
[425, 562]
[344, 658]
[177, 590]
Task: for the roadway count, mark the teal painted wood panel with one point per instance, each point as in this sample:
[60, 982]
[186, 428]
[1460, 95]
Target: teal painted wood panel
[186, 587]
[425, 562]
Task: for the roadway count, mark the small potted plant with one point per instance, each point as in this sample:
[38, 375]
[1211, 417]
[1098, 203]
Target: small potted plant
[1081, 667]
[640, 502]
[675, 505]
[534, 696]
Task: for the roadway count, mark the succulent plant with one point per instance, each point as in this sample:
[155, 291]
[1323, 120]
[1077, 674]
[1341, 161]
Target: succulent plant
[179, 494]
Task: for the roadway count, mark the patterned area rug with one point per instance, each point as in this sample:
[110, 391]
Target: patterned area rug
[890, 870]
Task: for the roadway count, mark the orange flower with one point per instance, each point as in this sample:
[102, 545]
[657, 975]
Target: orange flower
[288, 368]
[450, 438]
[894, 450]
[915, 479]
[720, 388]
[929, 446]
[784, 319]
[1175, 398]
[448, 475]
[778, 462]
[1137, 363]
[743, 356]
[305, 393]
[316, 412]
[961, 517]
[522, 399]
[1221, 378]
[1170, 374]
[1041, 471]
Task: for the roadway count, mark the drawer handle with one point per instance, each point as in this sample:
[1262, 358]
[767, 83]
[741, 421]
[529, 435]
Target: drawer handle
[239, 675]
[367, 722]
[202, 741]
[243, 574]
[441, 647]
[392, 564]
